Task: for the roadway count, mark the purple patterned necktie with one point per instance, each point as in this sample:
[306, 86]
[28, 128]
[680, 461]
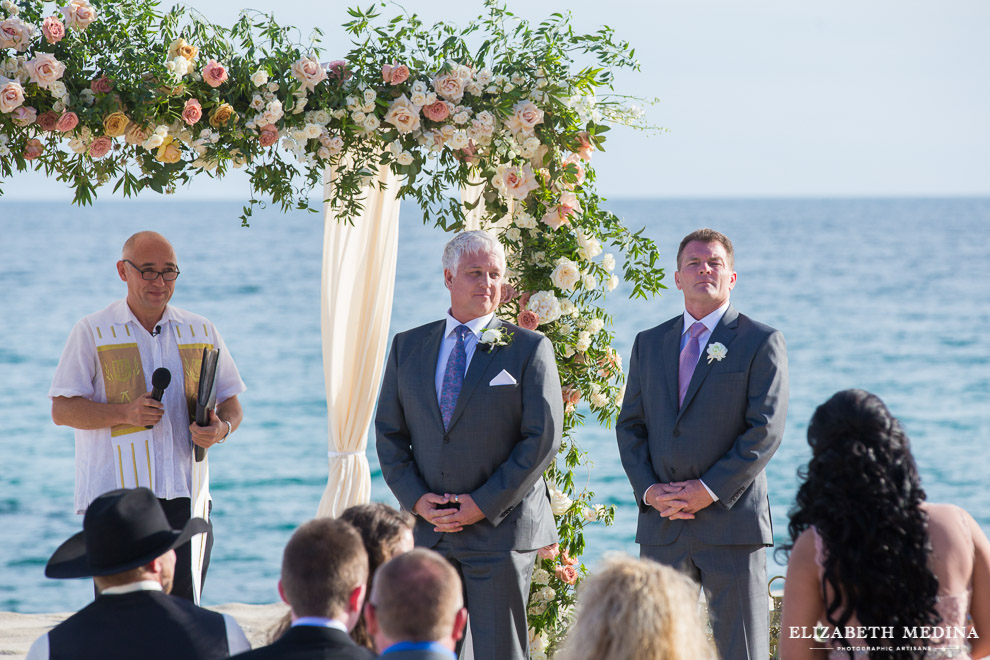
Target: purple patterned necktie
[689, 360]
[453, 376]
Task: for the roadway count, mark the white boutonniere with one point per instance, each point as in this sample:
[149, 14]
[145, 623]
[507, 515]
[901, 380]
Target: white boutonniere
[716, 352]
[493, 337]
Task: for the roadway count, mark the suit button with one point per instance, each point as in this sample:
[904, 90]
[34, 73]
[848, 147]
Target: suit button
[673, 470]
[677, 433]
[446, 438]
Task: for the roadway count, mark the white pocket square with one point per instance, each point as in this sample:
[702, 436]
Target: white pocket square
[503, 378]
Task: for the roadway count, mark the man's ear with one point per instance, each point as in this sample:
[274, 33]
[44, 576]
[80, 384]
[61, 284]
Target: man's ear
[121, 270]
[370, 619]
[356, 600]
[459, 622]
[281, 594]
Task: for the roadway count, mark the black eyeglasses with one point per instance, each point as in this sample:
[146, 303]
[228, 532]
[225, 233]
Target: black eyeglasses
[168, 275]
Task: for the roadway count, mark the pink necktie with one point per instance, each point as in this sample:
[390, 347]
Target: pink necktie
[689, 360]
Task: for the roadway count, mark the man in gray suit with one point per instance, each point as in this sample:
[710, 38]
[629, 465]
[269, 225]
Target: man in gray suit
[470, 415]
[703, 413]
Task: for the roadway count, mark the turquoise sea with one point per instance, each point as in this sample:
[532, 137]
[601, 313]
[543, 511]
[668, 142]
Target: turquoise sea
[891, 295]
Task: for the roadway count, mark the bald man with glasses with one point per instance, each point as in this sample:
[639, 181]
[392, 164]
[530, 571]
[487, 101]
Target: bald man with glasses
[125, 438]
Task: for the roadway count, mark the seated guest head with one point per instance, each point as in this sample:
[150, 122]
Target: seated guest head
[637, 609]
[417, 597]
[126, 538]
[324, 570]
[386, 533]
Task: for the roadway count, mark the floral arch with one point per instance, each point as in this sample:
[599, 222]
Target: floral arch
[503, 110]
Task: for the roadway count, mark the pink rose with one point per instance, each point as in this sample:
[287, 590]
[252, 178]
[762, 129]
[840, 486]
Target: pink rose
[101, 85]
[436, 112]
[338, 70]
[525, 116]
[548, 552]
[53, 29]
[309, 72]
[47, 120]
[11, 96]
[566, 560]
[214, 74]
[570, 394]
[192, 112]
[566, 574]
[33, 148]
[44, 69]
[100, 147]
[15, 33]
[269, 135]
[515, 181]
[574, 160]
[509, 293]
[67, 122]
[529, 319]
[78, 14]
[23, 116]
[397, 74]
[524, 299]
[469, 154]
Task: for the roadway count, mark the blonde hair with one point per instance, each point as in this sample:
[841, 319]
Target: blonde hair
[637, 609]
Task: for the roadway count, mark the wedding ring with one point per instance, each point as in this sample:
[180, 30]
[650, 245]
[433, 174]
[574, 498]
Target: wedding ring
[455, 498]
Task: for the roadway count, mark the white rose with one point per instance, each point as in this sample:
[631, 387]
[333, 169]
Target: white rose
[537, 609]
[559, 503]
[547, 593]
[537, 642]
[567, 307]
[589, 281]
[489, 336]
[274, 108]
[590, 247]
[568, 351]
[608, 262]
[358, 117]
[153, 142]
[524, 220]
[590, 514]
[566, 275]
[541, 576]
[312, 131]
[418, 99]
[78, 14]
[259, 78]
[369, 95]
[596, 325]
[545, 304]
[405, 158]
[583, 342]
[513, 234]
[565, 328]
[598, 400]
[612, 282]
[371, 122]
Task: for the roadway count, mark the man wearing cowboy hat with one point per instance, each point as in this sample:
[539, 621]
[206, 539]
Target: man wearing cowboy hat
[128, 548]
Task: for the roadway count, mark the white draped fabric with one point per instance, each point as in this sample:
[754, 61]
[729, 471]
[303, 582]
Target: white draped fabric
[358, 282]
[470, 194]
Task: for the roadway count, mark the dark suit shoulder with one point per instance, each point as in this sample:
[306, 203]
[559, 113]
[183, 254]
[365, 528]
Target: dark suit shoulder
[528, 338]
[417, 333]
[658, 331]
[310, 643]
[748, 324]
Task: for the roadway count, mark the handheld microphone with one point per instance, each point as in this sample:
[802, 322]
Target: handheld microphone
[160, 380]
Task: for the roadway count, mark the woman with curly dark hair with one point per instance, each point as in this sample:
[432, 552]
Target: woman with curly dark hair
[888, 575]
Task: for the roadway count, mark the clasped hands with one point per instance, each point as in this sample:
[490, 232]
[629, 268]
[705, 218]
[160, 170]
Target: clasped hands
[678, 500]
[431, 508]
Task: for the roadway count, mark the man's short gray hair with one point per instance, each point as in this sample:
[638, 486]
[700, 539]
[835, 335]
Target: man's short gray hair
[470, 242]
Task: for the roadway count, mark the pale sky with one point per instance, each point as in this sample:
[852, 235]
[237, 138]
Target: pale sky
[760, 98]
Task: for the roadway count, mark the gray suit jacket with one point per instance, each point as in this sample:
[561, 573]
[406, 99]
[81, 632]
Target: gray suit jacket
[500, 440]
[729, 427]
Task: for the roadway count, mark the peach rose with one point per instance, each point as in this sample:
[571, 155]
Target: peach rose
[449, 86]
[395, 74]
[192, 112]
[135, 135]
[309, 72]
[525, 116]
[524, 299]
[168, 151]
[44, 69]
[515, 181]
[53, 29]
[67, 122]
[575, 161]
[115, 124]
[222, 114]
[403, 115]
[566, 574]
[11, 96]
[584, 146]
[509, 293]
[15, 33]
[549, 552]
[269, 135]
[337, 70]
[101, 85]
[23, 116]
[214, 74]
[567, 560]
[100, 147]
[560, 215]
[47, 120]
[528, 319]
[570, 394]
[78, 14]
[180, 48]
[436, 112]
[33, 148]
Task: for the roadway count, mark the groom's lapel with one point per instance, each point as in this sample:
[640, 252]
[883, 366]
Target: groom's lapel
[671, 358]
[429, 352]
[724, 333]
[479, 363]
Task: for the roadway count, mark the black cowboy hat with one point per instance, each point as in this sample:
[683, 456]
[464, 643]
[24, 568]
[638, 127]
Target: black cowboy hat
[122, 529]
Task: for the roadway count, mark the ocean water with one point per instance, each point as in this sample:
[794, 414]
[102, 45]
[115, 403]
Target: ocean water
[890, 295]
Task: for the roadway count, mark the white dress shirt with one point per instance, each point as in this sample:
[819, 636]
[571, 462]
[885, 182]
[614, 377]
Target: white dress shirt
[476, 326]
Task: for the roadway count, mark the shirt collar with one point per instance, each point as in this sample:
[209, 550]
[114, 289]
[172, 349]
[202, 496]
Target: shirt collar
[436, 647]
[123, 315]
[476, 326]
[143, 585]
[320, 622]
[709, 321]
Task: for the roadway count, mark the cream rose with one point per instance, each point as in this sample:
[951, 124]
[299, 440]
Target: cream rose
[78, 14]
[309, 72]
[11, 96]
[566, 275]
[15, 33]
[608, 262]
[545, 304]
[449, 86]
[44, 69]
[515, 181]
[403, 115]
[259, 78]
[559, 502]
[525, 116]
